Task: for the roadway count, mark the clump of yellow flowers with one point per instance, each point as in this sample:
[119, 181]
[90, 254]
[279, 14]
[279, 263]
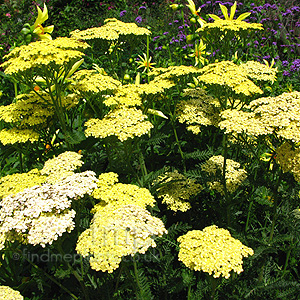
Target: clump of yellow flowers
[8, 293]
[198, 110]
[212, 250]
[175, 190]
[234, 176]
[121, 224]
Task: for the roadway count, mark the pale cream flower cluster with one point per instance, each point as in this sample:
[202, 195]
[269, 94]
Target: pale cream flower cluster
[124, 123]
[200, 110]
[7, 293]
[234, 176]
[212, 250]
[228, 75]
[175, 189]
[288, 157]
[56, 52]
[112, 29]
[38, 210]
[117, 231]
[40, 214]
[16, 136]
[269, 115]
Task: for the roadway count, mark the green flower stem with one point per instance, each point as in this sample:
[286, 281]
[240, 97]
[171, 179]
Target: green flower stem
[189, 292]
[213, 284]
[226, 195]
[51, 278]
[147, 54]
[74, 272]
[139, 288]
[248, 215]
[15, 88]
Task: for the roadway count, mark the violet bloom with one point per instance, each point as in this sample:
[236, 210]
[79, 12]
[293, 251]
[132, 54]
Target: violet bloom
[165, 33]
[123, 12]
[142, 7]
[139, 19]
[286, 73]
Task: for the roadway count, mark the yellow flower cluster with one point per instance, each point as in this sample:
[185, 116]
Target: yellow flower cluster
[16, 136]
[61, 166]
[226, 74]
[110, 191]
[156, 86]
[126, 96]
[124, 123]
[260, 72]
[15, 183]
[212, 250]
[279, 115]
[89, 81]
[7, 293]
[43, 53]
[200, 110]
[226, 26]
[118, 231]
[233, 175]
[289, 159]
[175, 190]
[111, 30]
[29, 114]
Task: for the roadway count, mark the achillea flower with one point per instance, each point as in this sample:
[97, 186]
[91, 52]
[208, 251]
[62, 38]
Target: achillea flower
[112, 29]
[200, 110]
[124, 123]
[40, 214]
[126, 96]
[16, 136]
[233, 174]
[288, 157]
[110, 191]
[226, 74]
[8, 293]
[259, 72]
[61, 166]
[212, 250]
[15, 183]
[269, 115]
[175, 190]
[54, 53]
[89, 81]
[117, 232]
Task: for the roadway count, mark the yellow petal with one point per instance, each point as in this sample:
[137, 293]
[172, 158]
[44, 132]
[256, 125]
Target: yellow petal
[224, 11]
[49, 29]
[45, 36]
[214, 17]
[232, 11]
[42, 16]
[243, 16]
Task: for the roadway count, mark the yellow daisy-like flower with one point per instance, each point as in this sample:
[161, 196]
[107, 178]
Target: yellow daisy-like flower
[145, 62]
[43, 33]
[199, 52]
[195, 12]
[232, 13]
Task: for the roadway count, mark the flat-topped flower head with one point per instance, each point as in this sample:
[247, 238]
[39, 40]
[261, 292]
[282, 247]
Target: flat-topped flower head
[112, 29]
[8, 293]
[234, 175]
[124, 123]
[175, 190]
[116, 232]
[90, 81]
[52, 53]
[212, 250]
[198, 110]
[278, 115]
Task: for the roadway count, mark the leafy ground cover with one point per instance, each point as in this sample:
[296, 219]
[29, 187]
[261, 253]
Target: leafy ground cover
[149, 150]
